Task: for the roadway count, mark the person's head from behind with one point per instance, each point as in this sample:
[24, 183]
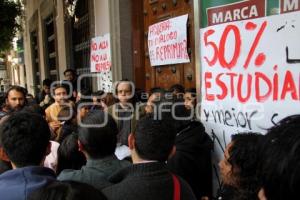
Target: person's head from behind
[67, 190]
[60, 94]
[98, 96]
[280, 168]
[84, 93]
[70, 75]
[15, 98]
[25, 139]
[241, 159]
[177, 89]
[153, 139]
[68, 155]
[46, 85]
[97, 135]
[124, 91]
[35, 108]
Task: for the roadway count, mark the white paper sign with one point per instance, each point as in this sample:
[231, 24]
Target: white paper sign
[250, 75]
[167, 42]
[100, 53]
[101, 61]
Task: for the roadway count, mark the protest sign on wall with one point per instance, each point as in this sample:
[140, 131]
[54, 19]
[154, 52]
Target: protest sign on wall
[100, 53]
[250, 75]
[101, 61]
[167, 42]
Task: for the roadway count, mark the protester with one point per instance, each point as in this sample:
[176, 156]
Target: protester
[25, 138]
[123, 112]
[68, 154]
[60, 97]
[97, 139]
[239, 168]
[192, 160]
[148, 178]
[15, 100]
[280, 167]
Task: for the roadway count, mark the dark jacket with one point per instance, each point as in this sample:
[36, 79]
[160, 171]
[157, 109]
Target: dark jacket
[192, 160]
[95, 172]
[147, 181]
[17, 184]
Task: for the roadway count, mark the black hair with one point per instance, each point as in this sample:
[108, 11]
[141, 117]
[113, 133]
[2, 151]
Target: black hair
[70, 70]
[280, 169]
[47, 82]
[177, 87]
[67, 190]
[4, 166]
[244, 157]
[157, 90]
[86, 92]
[83, 103]
[18, 89]
[25, 138]
[98, 93]
[2, 98]
[192, 91]
[68, 155]
[60, 85]
[154, 138]
[34, 108]
[98, 141]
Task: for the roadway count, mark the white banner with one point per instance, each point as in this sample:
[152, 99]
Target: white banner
[101, 61]
[250, 75]
[101, 53]
[167, 42]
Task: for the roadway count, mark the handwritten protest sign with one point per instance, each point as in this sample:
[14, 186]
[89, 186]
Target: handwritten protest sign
[100, 54]
[167, 42]
[250, 75]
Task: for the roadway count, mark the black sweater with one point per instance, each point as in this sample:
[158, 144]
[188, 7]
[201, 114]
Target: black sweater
[147, 181]
[192, 160]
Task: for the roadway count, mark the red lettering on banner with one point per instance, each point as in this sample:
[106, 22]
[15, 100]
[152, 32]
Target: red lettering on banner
[237, 48]
[219, 52]
[223, 87]
[275, 83]
[240, 88]
[157, 29]
[213, 45]
[103, 45]
[172, 51]
[232, 75]
[289, 86]
[259, 97]
[207, 76]
[103, 66]
[258, 84]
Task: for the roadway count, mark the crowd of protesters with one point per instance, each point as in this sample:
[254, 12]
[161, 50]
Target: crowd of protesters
[69, 145]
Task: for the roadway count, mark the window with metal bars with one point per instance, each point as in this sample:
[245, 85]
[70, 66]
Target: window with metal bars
[35, 62]
[50, 39]
[81, 41]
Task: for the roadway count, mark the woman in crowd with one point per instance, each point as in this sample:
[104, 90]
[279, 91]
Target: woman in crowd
[239, 168]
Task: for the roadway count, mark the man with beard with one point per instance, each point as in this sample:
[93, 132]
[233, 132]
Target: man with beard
[14, 100]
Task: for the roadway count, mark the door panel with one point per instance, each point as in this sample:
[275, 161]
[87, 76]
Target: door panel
[164, 76]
